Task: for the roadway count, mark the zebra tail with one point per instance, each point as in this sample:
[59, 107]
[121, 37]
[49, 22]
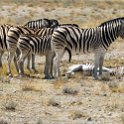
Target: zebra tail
[70, 55]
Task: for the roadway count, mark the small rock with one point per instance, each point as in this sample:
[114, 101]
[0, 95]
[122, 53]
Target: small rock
[109, 114]
[89, 119]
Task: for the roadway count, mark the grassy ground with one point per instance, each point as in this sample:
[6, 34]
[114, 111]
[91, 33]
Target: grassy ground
[78, 100]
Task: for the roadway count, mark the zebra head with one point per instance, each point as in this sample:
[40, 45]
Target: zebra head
[122, 29]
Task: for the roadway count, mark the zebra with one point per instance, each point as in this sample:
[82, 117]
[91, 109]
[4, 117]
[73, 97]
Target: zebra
[32, 44]
[3, 44]
[87, 70]
[37, 45]
[45, 32]
[79, 40]
[12, 39]
[42, 23]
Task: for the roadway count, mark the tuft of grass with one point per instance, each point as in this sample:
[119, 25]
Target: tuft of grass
[78, 114]
[53, 102]
[3, 71]
[31, 86]
[59, 83]
[2, 121]
[116, 87]
[10, 105]
[114, 62]
[71, 91]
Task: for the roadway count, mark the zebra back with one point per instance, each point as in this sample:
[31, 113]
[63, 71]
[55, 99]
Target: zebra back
[44, 31]
[35, 44]
[42, 23]
[14, 33]
[87, 40]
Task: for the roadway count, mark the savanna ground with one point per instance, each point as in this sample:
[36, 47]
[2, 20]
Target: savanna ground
[78, 100]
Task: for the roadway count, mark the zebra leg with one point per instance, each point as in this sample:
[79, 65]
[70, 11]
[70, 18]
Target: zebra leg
[10, 57]
[1, 54]
[58, 55]
[33, 63]
[51, 64]
[96, 65]
[21, 59]
[28, 63]
[46, 69]
[101, 64]
[48, 66]
[15, 60]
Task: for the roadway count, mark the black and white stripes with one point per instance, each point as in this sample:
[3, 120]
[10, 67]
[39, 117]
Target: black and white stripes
[36, 45]
[42, 23]
[3, 43]
[78, 40]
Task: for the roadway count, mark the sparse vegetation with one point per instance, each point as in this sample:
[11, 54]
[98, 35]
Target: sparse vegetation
[78, 114]
[10, 105]
[2, 121]
[31, 86]
[53, 102]
[71, 91]
[69, 101]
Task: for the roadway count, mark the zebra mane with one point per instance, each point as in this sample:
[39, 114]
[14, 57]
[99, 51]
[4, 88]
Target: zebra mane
[112, 20]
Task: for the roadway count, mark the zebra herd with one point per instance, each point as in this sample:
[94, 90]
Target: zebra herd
[49, 38]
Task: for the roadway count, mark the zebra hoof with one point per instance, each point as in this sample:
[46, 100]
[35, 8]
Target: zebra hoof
[95, 78]
[22, 75]
[48, 78]
[10, 75]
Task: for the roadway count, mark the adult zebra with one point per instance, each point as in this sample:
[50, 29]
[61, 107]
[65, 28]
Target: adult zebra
[3, 44]
[42, 23]
[95, 40]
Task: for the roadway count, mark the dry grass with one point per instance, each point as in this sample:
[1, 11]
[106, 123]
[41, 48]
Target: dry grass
[29, 85]
[57, 100]
[10, 105]
[53, 102]
[3, 71]
[78, 114]
[116, 87]
[71, 91]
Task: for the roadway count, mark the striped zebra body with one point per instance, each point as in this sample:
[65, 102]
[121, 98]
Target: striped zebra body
[12, 39]
[78, 40]
[87, 70]
[3, 44]
[38, 46]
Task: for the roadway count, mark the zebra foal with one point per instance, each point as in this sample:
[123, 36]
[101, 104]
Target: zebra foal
[78, 40]
[36, 45]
